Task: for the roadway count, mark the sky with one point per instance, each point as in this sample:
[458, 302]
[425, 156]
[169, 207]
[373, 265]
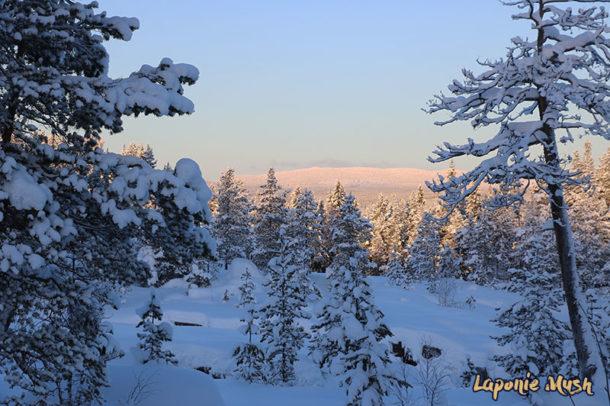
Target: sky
[294, 84]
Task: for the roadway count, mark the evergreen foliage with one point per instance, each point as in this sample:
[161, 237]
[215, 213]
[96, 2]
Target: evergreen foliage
[280, 327]
[249, 358]
[231, 219]
[270, 216]
[154, 333]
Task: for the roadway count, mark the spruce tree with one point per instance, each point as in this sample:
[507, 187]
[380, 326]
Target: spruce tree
[486, 245]
[591, 227]
[395, 270]
[322, 256]
[154, 333]
[603, 176]
[280, 328]
[249, 358]
[381, 244]
[400, 223]
[349, 330]
[425, 251]
[231, 219]
[536, 338]
[270, 217]
[417, 208]
[303, 228]
[335, 199]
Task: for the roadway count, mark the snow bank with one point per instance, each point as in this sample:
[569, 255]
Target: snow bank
[160, 386]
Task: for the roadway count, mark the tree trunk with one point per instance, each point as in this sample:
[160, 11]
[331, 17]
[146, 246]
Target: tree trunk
[587, 357]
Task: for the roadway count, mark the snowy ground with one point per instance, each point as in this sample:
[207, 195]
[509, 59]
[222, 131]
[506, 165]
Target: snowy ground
[414, 316]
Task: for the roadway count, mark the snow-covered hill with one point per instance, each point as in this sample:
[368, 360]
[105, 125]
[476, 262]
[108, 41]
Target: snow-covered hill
[364, 183]
[207, 343]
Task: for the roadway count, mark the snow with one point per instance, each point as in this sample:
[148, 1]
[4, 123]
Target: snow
[413, 316]
[24, 192]
[189, 172]
[163, 385]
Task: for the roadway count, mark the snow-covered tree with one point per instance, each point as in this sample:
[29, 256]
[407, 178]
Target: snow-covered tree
[70, 214]
[55, 73]
[305, 223]
[303, 227]
[425, 251]
[536, 338]
[591, 224]
[349, 234]
[395, 270]
[184, 238]
[349, 329]
[231, 219]
[281, 331]
[381, 244]
[154, 333]
[249, 358]
[400, 224]
[335, 199]
[535, 243]
[347, 337]
[532, 96]
[417, 208]
[322, 256]
[443, 283]
[144, 152]
[270, 217]
[602, 176]
[486, 245]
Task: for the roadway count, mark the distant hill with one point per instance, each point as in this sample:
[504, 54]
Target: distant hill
[364, 183]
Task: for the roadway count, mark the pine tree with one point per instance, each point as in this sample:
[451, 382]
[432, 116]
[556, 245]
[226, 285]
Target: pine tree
[533, 114]
[250, 359]
[270, 217]
[72, 214]
[185, 238]
[347, 337]
[280, 328]
[231, 219]
[154, 333]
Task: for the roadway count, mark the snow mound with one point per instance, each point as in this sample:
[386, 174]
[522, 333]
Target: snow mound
[161, 386]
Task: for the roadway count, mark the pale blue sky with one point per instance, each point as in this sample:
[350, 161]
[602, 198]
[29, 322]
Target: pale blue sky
[293, 84]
